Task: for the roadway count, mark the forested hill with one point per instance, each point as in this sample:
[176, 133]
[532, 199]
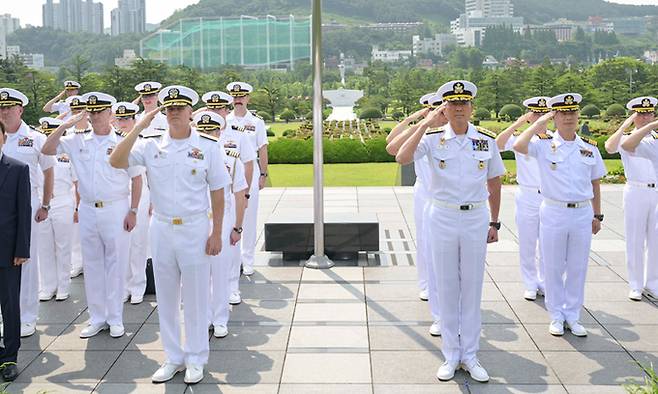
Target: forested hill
[436, 11]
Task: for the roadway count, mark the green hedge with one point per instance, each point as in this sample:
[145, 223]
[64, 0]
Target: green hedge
[297, 151]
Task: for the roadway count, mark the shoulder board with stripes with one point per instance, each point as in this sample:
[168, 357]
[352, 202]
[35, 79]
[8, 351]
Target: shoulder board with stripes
[434, 131]
[544, 136]
[208, 137]
[78, 131]
[655, 136]
[628, 132]
[590, 141]
[232, 153]
[486, 132]
[517, 133]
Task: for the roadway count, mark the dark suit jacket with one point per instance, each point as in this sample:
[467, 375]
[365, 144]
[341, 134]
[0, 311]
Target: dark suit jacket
[15, 210]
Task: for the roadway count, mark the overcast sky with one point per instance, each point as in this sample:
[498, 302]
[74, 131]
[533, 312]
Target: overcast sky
[29, 11]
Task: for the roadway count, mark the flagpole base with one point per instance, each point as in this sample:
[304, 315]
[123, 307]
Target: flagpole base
[319, 262]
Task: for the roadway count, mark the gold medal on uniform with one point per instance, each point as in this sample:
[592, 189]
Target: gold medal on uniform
[442, 142]
[553, 148]
[481, 165]
[553, 166]
[442, 164]
[194, 171]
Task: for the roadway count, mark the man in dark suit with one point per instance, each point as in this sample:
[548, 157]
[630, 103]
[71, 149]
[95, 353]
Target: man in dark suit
[15, 224]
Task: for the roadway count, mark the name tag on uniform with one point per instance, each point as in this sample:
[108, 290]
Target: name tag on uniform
[250, 127]
[481, 145]
[586, 153]
[26, 141]
[230, 145]
[195, 154]
[63, 159]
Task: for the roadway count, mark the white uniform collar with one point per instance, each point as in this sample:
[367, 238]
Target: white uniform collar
[193, 139]
[449, 133]
[112, 137]
[23, 130]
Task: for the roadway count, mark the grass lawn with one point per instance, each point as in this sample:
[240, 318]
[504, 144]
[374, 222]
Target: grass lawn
[361, 174]
[358, 174]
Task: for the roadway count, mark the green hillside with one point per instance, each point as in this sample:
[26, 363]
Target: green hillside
[435, 11]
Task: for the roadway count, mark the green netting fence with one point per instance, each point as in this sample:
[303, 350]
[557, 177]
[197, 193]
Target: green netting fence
[208, 43]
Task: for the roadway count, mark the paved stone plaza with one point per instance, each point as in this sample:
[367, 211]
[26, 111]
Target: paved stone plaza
[362, 329]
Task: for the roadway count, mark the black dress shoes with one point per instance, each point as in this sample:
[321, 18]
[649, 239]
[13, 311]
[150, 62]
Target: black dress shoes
[10, 372]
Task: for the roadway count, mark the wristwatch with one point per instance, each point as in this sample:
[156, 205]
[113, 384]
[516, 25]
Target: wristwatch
[45, 207]
[263, 174]
[237, 230]
[495, 225]
[599, 217]
[247, 195]
[133, 210]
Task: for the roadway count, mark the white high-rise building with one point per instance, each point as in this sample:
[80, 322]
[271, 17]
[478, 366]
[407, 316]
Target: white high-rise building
[490, 8]
[74, 16]
[7, 26]
[469, 29]
[129, 17]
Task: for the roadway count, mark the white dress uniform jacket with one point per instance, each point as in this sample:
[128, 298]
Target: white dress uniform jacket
[104, 203]
[458, 223]
[567, 169]
[254, 128]
[180, 174]
[25, 145]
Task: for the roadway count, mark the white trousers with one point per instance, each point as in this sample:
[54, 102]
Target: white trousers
[55, 250]
[459, 248]
[180, 265]
[528, 203]
[250, 234]
[29, 299]
[76, 248]
[566, 237]
[105, 246]
[136, 272]
[641, 224]
[223, 269]
[426, 280]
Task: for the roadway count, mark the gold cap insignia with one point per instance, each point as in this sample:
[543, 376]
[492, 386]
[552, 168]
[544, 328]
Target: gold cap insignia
[205, 119]
[541, 102]
[44, 125]
[93, 100]
[569, 100]
[4, 95]
[121, 110]
[75, 102]
[147, 87]
[458, 88]
[646, 103]
[173, 93]
[214, 98]
[236, 87]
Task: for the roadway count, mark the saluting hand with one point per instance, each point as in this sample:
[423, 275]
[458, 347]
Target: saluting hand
[544, 119]
[147, 119]
[70, 122]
